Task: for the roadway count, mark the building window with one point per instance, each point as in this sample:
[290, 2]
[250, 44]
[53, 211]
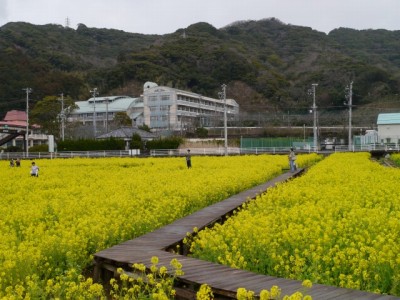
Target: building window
[387, 140]
[165, 97]
[152, 98]
[153, 118]
[153, 108]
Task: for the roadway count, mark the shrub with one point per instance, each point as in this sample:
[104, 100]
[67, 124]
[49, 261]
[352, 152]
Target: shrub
[91, 145]
[165, 143]
[136, 142]
[39, 148]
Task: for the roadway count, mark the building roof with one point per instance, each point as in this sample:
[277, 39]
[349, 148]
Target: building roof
[127, 133]
[134, 115]
[388, 119]
[115, 104]
[16, 118]
[15, 115]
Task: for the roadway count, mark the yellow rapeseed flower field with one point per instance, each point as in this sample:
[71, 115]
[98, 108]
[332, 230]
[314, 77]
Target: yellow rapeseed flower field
[338, 224]
[51, 226]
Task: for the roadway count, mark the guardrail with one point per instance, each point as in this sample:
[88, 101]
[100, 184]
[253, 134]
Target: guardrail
[196, 151]
[65, 154]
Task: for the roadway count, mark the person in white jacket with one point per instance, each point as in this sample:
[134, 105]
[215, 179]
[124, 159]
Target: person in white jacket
[34, 170]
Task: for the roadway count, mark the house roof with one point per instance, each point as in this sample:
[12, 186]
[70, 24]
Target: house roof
[16, 118]
[127, 133]
[15, 115]
[388, 119]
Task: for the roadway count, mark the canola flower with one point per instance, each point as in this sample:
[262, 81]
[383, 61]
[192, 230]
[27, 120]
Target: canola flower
[395, 158]
[273, 293]
[337, 225]
[51, 226]
[142, 285]
[204, 293]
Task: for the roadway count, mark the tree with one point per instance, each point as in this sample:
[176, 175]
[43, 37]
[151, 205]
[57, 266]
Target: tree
[47, 113]
[201, 132]
[122, 119]
[145, 128]
[136, 142]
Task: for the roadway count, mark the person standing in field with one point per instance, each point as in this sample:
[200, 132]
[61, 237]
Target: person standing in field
[292, 160]
[188, 159]
[18, 162]
[34, 170]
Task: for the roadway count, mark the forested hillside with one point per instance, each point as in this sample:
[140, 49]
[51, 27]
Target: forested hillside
[267, 65]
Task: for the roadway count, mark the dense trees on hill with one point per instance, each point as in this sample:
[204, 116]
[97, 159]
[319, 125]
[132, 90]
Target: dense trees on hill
[268, 65]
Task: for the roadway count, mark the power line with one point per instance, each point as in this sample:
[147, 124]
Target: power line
[12, 102]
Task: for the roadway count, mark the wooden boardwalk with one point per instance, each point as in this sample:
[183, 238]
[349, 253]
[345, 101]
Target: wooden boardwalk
[223, 280]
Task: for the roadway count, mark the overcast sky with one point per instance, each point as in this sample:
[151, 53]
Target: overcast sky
[166, 16]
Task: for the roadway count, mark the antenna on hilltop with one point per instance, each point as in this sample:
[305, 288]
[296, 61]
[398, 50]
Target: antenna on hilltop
[67, 22]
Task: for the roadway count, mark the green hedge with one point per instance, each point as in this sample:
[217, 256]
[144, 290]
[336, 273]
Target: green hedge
[91, 145]
[115, 144]
[164, 143]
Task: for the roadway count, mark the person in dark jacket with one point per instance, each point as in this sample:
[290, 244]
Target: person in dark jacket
[188, 159]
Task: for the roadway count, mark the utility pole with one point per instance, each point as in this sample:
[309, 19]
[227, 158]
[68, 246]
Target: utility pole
[62, 115]
[94, 92]
[169, 118]
[28, 91]
[223, 96]
[314, 109]
[107, 115]
[349, 96]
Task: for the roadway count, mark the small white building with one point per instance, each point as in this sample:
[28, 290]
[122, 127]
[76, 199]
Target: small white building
[172, 109]
[371, 137]
[389, 128]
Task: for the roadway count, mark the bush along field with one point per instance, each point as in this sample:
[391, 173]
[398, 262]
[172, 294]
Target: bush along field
[51, 225]
[336, 225]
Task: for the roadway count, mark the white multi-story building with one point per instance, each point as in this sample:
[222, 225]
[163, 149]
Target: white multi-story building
[160, 107]
[167, 108]
[103, 109]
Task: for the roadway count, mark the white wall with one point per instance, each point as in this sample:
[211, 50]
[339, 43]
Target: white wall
[390, 131]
